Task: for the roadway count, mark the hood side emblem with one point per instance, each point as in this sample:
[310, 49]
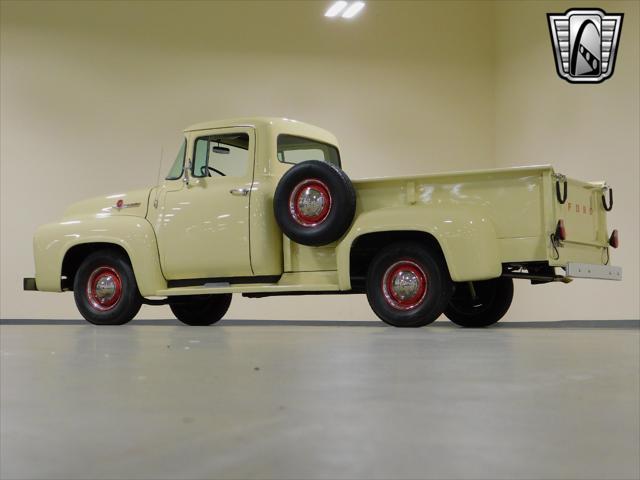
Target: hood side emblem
[120, 205]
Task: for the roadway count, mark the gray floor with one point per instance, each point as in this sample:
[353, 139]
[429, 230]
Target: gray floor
[294, 401]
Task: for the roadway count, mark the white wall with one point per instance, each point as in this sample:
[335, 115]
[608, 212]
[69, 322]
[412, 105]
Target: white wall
[91, 91]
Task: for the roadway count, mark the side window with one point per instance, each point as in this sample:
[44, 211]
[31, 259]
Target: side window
[292, 149]
[221, 155]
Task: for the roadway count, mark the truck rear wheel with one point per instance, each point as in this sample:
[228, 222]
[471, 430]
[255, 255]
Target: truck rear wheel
[105, 289]
[408, 285]
[200, 310]
[480, 304]
[314, 203]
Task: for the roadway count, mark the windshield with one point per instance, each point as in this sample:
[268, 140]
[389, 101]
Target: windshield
[178, 163]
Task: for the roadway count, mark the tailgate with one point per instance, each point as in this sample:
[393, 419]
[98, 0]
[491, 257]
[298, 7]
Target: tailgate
[585, 220]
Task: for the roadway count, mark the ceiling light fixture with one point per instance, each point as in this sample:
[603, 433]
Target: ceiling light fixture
[353, 10]
[335, 9]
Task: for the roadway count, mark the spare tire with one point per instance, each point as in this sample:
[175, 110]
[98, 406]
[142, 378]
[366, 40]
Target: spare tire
[314, 203]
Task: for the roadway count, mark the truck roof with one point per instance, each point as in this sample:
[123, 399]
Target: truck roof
[276, 124]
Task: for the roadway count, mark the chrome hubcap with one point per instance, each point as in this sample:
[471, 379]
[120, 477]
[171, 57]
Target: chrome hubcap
[105, 288]
[404, 285]
[311, 202]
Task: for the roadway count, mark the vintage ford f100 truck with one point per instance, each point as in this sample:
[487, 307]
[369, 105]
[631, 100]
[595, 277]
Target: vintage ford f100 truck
[261, 207]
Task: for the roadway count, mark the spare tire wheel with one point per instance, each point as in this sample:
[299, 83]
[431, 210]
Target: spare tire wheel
[314, 203]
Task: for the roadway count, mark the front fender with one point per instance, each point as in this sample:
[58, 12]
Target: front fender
[134, 234]
[465, 234]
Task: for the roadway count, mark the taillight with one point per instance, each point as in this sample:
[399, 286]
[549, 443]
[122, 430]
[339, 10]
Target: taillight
[561, 233]
[614, 241]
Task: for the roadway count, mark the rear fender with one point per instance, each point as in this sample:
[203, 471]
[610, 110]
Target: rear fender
[466, 236]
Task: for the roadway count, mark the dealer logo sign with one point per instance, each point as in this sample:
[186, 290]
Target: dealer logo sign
[585, 43]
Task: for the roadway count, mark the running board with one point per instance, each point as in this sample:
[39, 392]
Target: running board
[325, 281]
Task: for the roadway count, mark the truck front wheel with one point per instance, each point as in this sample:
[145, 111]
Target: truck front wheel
[408, 285]
[480, 304]
[200, 310]
[105, 289]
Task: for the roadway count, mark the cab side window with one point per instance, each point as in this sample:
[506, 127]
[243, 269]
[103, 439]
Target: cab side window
[221, 155]
[292, 149]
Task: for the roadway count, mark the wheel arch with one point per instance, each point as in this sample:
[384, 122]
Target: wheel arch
[464, 236]
[77, 253]
[365, 247]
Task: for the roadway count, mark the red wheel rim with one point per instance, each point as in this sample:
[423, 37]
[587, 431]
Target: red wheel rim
[104, 288]
[404, 285]
[310, 202]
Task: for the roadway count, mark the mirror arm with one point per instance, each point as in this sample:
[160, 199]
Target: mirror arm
[187, 170]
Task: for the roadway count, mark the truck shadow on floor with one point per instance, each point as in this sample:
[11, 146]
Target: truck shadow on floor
[605, 324]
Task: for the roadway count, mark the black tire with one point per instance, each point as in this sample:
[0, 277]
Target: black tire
[493, 299]
[105, 288]
[200, 310]
[332, 220]
[426, 267]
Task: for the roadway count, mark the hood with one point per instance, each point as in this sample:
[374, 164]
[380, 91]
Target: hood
[132, 203]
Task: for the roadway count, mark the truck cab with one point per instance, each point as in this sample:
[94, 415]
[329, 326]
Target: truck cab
[217, 192]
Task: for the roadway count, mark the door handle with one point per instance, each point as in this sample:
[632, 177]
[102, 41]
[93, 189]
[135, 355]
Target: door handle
[239, 192]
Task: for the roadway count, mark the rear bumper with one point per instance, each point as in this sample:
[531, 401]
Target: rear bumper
[587, 270]
[29, 284]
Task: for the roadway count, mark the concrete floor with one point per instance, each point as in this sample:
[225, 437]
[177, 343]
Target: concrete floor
[251, 401]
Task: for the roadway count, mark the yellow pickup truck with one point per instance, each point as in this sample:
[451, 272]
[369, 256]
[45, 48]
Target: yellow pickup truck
[261, 207]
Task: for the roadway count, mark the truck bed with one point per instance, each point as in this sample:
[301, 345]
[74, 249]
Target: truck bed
[521, 203]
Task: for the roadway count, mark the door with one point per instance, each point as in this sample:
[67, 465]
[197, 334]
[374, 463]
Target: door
[203, 225]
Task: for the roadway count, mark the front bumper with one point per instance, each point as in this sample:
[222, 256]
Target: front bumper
[587, 270]
[29, 284]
